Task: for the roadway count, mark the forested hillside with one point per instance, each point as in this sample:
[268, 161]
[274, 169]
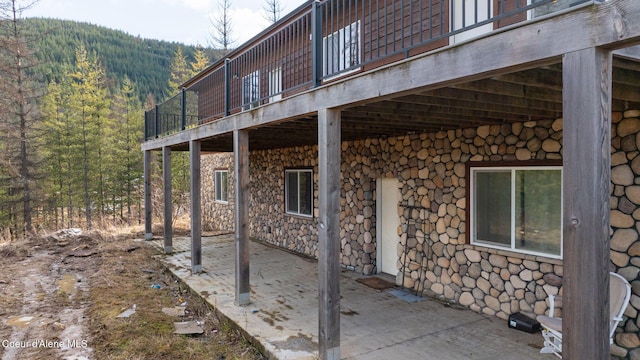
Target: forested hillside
[145, 62]
[71, 120]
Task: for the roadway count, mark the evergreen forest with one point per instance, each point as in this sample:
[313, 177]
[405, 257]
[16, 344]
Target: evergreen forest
[72, 102]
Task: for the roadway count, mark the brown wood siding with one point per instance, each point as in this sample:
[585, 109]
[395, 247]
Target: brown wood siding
[391, 30]
[288, 50]
[211, 93]
[505, 6]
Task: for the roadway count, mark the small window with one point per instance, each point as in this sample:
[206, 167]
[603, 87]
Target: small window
[517, 208]
[341, 50]
[251, 90]
[299, 192]
[222, 186]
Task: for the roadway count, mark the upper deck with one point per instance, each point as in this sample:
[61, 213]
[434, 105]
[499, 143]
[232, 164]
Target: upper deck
[324, 44]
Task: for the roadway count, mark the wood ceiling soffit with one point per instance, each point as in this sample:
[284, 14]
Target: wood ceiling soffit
[540, 78]
[506, 107]
[395, 108]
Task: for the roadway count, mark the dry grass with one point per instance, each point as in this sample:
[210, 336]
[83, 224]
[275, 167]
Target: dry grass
[123, 278]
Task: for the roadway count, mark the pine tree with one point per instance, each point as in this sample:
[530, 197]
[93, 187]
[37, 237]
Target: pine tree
[89, 102]
[59, 151]
[200, 62]
[179, 73]
[127, 156]
[19, 120]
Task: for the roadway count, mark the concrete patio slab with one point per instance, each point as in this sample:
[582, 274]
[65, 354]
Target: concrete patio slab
[375, 324]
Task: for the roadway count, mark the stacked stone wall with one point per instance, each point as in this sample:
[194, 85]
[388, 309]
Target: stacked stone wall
[217, 215]
[433, 254]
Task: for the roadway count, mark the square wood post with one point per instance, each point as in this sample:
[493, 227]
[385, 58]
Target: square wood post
[196, 215]
[148, 206]
[168, 204]
[586, 181]
[329, 233]
[241, 178]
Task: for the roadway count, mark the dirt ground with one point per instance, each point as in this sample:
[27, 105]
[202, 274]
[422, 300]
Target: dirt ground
[67, 296]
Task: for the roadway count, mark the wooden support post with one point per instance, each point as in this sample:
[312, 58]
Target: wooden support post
[329, 233]
[316, 44]
[168, 204]
[196, 215]
[586, 180]
[148, 206]
[241, 178]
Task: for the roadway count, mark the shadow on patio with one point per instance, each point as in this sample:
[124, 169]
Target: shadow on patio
[282, 318]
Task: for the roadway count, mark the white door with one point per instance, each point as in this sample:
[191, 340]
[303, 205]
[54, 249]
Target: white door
[467, 13]
[387, 224]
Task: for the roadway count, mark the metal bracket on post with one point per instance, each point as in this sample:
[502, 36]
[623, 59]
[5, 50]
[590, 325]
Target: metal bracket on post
[183, 103]
[316, 43]
[227, 87]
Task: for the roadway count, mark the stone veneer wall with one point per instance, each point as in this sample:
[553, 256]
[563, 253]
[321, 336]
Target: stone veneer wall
[433, 254]
[216, 215]
[269, 221]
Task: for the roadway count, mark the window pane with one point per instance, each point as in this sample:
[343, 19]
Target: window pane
[538, 209]
[218, 181]
[305, 193]
[493, 207]
[292, 192]
[224, 192]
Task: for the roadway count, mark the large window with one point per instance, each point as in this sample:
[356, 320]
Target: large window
[517, 208]
[251, 90]
[467, 13]
[299, 192]
[222, 186]
[551, 7]
[341, 49]
[275, 84]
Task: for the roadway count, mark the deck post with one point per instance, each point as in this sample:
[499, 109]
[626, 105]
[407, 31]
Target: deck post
[586, 172]
[241, 185]
[168, 204]
[148, 206]
[196, 215]
[316, 45]
[183, 106]
[329, 121]
[157, 120]
[227, 87]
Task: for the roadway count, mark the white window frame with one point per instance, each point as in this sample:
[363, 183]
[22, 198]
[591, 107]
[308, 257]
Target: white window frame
[469, 17]
[251, 90]
[560, 5]
[286, 195]
[344, 53]
[472, 212]
[275, 84]
[220, 197]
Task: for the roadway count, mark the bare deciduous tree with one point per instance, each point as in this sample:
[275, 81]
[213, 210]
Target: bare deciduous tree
[273, 10]
[221, 34]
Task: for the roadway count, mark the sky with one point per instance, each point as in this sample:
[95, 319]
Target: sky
[184, 21]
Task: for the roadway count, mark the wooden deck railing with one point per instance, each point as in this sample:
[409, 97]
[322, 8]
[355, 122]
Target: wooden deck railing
[325, 40]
